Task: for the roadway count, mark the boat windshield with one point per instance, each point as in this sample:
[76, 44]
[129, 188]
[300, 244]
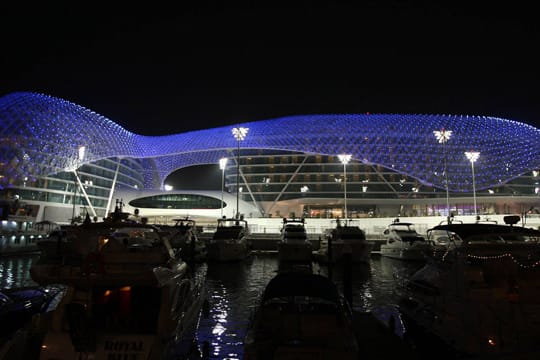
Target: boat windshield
[228, 232]
[405, 231]
[402, 228]
[500, 238]
[349, 233]
[134, 237]
[294, 231]
[443, 237]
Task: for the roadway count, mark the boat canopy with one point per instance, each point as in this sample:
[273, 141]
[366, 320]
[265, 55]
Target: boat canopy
[466, 231]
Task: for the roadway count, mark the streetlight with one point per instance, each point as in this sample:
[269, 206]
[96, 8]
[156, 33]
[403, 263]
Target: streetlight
[443, 136]
[345, 158]
[473, 156]
[80, 157]
[239, 134]
[222, 166]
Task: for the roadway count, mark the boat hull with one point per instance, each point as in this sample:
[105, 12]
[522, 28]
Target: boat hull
[227, 251]
[404, 253]
[358, 252]
[296, 252]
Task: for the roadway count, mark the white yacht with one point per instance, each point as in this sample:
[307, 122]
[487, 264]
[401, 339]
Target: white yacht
[404, 243]
[345, 238]
[230, 241]
[294, 246]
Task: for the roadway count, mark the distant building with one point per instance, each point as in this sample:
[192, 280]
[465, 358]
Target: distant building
[65, 161]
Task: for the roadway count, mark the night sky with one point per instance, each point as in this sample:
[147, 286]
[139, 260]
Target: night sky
[171, 67]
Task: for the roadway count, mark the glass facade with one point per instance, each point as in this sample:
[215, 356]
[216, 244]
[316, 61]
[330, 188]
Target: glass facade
[177, 201]
[318, 180]
[96, 181]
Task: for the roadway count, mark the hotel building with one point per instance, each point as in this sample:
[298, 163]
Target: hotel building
[60, 161]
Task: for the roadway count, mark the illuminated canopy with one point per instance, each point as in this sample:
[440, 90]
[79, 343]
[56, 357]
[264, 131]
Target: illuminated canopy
[41, 135]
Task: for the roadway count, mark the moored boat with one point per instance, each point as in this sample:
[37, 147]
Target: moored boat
[301, 316]
[127, 295]
[345, 238]
[184, 239]
[294, 244]
[230, 241]
[481, 298]
[404, 243]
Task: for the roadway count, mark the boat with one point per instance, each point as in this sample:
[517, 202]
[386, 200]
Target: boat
[184, 239]
[230, 240]
[127, 295]
[294, 244]
[404, 243]
[346, 238]
[481, 299]
[441, 240]
[301, 316]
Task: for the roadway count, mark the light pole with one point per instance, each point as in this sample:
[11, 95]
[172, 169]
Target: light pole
[443, 136]
[80, 157]
[473, 156]
[239, 134]
[345, 158]
[222, 166]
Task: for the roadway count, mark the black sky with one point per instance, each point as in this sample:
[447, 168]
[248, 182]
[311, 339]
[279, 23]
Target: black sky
[161, 68]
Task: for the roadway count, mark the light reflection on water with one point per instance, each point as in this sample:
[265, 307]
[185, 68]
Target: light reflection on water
[234, 288]
[15, 271]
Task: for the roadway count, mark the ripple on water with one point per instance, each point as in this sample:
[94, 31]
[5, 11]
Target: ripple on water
[234, 289]
[15, 271]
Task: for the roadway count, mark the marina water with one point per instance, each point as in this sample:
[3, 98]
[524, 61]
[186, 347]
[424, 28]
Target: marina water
[233, 290]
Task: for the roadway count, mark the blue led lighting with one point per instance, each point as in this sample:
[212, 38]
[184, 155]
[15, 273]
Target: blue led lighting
[41, 134]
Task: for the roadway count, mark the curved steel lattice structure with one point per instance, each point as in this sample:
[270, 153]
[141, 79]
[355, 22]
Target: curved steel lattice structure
[40, 135]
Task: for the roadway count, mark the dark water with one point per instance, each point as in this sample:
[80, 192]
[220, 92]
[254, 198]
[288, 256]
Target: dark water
[14, 271]
[233, 290]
